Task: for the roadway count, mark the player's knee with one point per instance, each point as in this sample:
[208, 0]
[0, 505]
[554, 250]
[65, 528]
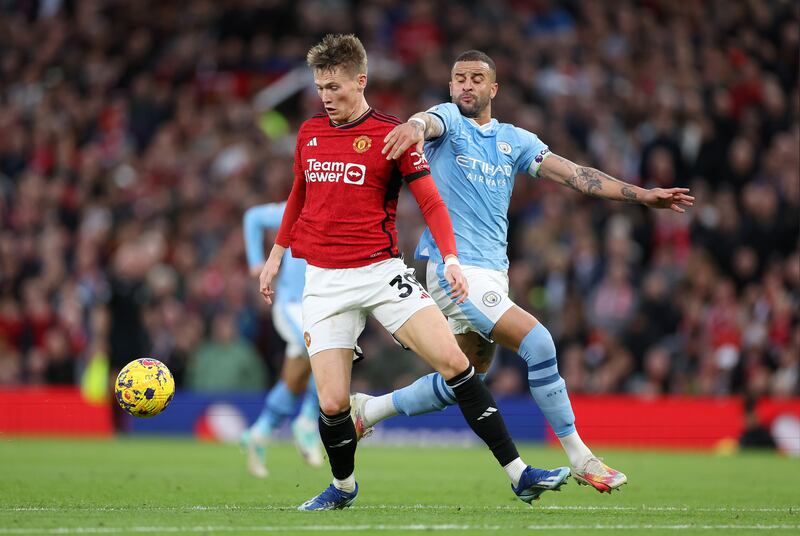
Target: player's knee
[296, 380]
[334, 406]
[295, 385]
[481, 358]
[481, 366]
[453, 362]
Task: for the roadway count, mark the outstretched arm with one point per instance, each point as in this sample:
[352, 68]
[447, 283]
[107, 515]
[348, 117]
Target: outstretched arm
[597, 184]
[420, 127]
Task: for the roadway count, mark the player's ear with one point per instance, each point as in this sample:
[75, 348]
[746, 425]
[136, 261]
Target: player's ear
[493, 90]
[362, 81]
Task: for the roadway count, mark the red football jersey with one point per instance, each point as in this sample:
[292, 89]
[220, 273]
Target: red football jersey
[350, 191]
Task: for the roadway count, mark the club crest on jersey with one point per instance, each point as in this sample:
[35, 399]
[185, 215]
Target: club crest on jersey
[503, 147]
[307, 339]
[362, 144]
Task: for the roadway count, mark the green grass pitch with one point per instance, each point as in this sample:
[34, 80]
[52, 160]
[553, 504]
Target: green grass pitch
[175, 486]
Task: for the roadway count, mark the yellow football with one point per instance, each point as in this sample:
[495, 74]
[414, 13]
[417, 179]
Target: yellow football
[145, 387]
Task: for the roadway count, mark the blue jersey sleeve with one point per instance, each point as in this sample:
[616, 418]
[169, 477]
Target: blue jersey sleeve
[448, 114]
[256, 219]
[533, 152]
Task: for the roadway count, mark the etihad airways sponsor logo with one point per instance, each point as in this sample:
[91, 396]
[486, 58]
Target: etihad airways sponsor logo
[485, 168]
[346, 172]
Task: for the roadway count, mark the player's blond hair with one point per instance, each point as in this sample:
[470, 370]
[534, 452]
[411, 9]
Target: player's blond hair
[338, 51]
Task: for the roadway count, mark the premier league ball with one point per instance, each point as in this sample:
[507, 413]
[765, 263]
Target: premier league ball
[145, 387]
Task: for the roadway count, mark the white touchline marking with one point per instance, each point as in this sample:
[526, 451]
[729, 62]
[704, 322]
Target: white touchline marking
[358, 528]
[268, 508]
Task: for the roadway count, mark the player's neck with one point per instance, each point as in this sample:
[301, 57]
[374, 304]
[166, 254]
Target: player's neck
[484, 117]
[358, 111]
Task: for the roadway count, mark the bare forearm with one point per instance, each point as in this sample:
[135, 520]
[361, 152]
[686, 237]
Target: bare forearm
[598, 184]
[432, 125]
[589, 181]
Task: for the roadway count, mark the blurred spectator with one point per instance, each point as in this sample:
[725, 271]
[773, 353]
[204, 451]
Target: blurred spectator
[130, 147]
[755, 435]
[226, 362]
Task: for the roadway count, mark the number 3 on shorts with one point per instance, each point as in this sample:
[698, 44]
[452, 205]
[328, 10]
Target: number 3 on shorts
[405, 288]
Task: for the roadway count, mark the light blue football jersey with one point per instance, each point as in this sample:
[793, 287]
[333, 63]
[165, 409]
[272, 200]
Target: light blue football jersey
[474, 168]
[292, 275]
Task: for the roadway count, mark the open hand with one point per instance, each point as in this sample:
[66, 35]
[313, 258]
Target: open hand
[401, 138]
[459, 289]
[672, 198]
[268, 273]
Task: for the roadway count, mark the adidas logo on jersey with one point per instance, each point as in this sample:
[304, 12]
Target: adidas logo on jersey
[312, 142]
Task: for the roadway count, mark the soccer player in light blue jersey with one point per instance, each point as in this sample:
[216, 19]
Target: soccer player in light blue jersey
[475, 159]
[296, 376]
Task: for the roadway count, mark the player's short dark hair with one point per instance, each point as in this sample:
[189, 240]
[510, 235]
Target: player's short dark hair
[477, 55]
[338, 50]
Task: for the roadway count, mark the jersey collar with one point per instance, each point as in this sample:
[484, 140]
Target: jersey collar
[354, 123]
[485, 128]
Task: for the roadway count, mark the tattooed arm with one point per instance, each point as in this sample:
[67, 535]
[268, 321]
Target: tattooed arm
[419, 127]
[597, 184]
[433, 126]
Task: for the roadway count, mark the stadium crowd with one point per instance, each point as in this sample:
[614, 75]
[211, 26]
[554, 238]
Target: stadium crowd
[130, 148]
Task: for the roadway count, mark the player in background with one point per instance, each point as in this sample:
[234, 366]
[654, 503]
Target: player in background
[287, 316]
[474, 160]
[340, 217]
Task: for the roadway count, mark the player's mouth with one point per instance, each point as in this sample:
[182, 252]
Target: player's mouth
[467, 98]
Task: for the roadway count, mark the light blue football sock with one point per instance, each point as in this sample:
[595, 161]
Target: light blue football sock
[279, 404]
[427, 394]
[546, 384]
[310, 407]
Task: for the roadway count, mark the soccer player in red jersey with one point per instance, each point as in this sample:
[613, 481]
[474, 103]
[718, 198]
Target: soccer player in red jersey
[340, 218]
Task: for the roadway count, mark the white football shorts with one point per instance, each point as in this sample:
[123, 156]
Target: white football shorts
[336, 302]
[488, 298]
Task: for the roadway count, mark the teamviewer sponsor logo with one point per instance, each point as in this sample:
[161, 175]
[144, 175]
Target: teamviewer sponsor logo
[355, 173]
[318, 171]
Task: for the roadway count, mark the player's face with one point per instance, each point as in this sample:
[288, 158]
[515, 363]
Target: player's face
[342, 93]
[472, 87]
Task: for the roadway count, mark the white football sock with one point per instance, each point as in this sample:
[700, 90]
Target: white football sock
[348, 484]
[514, 470]
[378, 409]
[577, 452]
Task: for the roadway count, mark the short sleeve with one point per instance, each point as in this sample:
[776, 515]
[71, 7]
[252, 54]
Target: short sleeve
[413, 165]
[533, 152]
[448, 114]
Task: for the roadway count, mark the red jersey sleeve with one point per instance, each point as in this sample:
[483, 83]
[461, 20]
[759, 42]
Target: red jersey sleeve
[297, 198]
[417, 173]
[435, 213]
[413, 165]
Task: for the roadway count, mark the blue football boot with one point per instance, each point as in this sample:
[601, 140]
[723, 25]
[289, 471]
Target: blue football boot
[330, 499]
[534, 482]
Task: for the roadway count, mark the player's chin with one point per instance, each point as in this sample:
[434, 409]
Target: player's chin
[469, 110]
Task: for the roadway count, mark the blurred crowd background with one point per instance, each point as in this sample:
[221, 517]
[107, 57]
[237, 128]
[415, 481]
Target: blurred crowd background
[130, 148]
